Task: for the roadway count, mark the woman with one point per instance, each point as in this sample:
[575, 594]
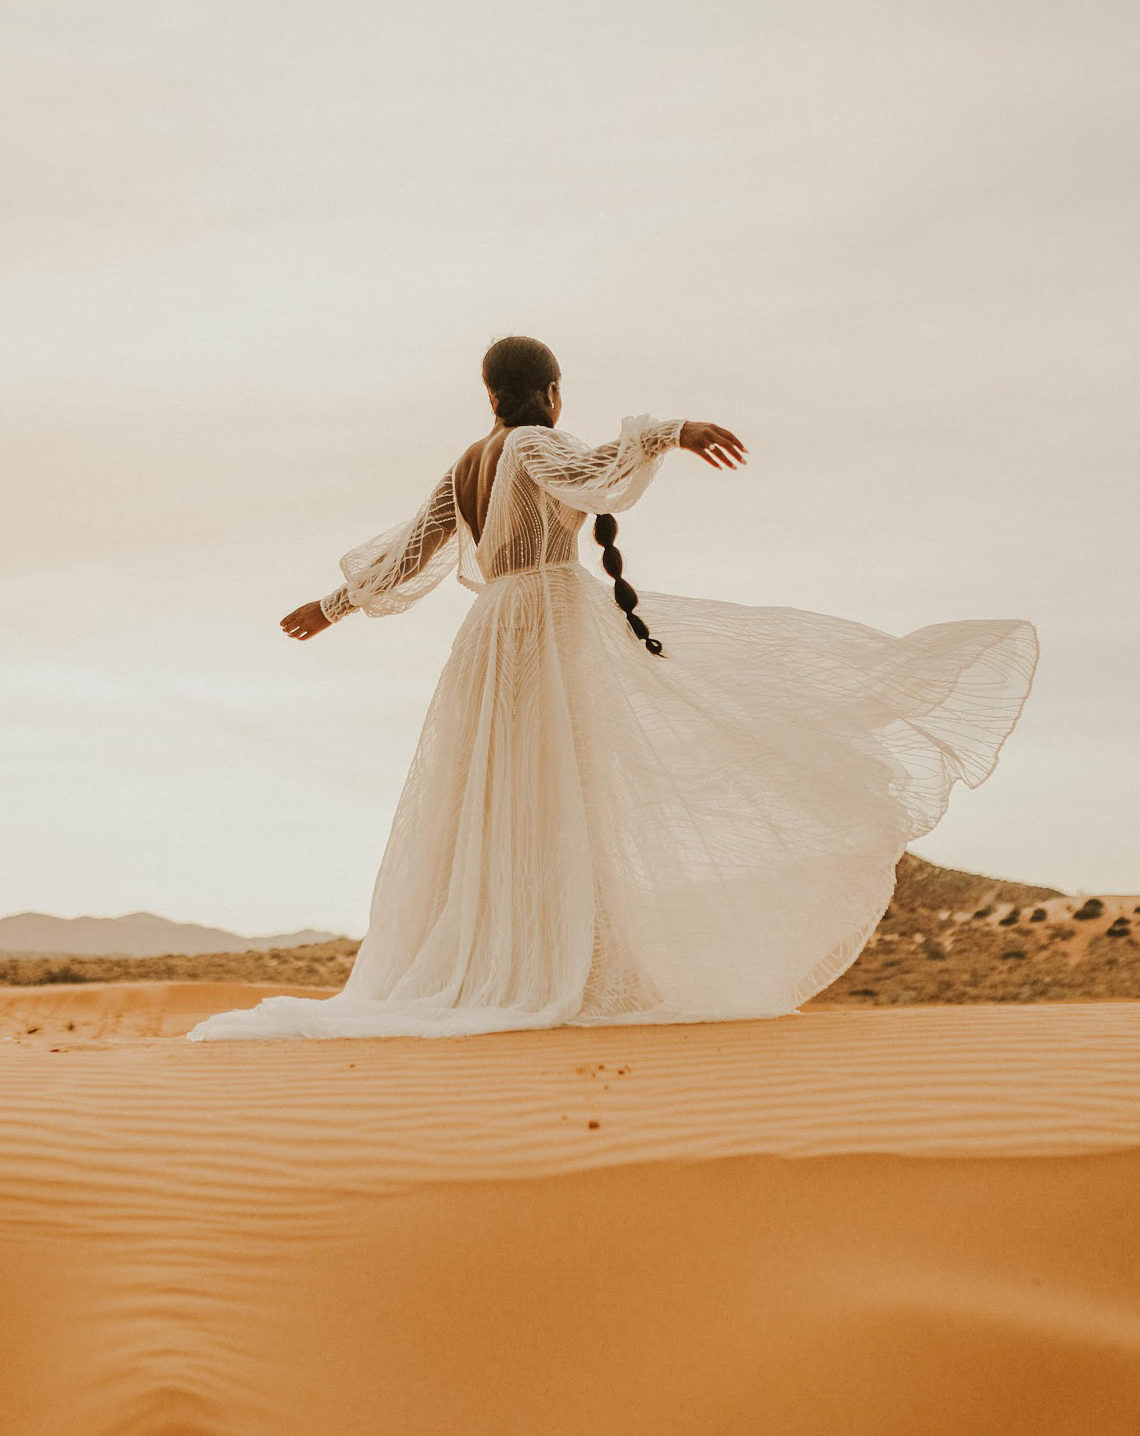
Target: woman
[675, 809]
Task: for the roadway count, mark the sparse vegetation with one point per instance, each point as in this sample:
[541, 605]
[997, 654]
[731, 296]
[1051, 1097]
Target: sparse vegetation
[325, 964]
[1091, 908]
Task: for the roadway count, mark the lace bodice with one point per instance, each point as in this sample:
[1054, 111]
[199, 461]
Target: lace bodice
[546, 482]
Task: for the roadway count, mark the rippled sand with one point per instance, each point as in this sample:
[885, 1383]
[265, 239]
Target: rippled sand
[852, 1221]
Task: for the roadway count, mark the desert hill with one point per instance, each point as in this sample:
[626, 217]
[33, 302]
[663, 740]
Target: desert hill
[919, 884]
[951, 936]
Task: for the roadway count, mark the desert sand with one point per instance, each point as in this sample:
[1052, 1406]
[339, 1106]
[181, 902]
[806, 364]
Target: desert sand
[906, 1220]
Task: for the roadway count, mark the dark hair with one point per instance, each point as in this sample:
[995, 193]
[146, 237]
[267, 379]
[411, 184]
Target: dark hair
[625, 595]
[516, 370]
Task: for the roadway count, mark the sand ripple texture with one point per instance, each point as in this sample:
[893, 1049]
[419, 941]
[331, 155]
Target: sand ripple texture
[705, 1228]
[273, 1124]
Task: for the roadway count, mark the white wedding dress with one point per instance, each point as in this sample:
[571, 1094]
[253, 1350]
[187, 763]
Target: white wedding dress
[590, 833]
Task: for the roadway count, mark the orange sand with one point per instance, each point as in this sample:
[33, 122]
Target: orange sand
[856, 1222]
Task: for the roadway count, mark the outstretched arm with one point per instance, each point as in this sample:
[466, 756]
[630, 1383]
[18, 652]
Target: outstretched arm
[613, 476]
[390, 572]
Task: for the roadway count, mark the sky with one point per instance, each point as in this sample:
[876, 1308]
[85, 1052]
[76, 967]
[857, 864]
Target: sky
[253, 253]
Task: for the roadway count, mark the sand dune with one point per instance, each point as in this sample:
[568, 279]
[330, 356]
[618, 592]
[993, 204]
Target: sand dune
[1009, 1081]
[95, 1013]
[852, 1221]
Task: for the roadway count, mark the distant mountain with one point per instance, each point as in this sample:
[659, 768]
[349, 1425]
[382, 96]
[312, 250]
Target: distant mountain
[137, 934]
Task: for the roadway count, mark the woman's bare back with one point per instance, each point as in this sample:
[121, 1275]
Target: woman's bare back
[475, 477]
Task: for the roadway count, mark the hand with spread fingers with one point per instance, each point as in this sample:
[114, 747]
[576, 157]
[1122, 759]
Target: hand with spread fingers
[305, 621]
[716, 445]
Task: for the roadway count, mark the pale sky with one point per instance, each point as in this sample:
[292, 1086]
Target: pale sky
[253, 253]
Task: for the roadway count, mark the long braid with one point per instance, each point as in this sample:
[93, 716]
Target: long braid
[625, 595]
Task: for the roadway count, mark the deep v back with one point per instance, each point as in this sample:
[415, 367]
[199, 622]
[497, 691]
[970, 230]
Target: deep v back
[506, 520]
[474, 480]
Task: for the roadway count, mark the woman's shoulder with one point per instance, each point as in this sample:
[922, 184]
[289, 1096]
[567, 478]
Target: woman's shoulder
[494, 443]
[481, 451]
[532, 436]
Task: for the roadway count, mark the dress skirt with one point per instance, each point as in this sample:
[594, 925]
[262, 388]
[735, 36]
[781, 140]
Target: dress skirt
[590, 833]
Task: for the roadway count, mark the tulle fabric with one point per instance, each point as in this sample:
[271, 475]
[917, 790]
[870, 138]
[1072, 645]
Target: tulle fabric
[592, 834]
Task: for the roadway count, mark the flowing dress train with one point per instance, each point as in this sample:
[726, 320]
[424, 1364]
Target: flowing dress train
[589, 833]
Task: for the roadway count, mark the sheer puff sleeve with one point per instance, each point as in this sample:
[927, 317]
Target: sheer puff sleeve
[604, 480]
[399, 566]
